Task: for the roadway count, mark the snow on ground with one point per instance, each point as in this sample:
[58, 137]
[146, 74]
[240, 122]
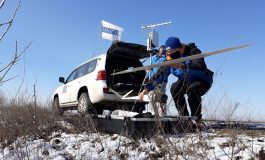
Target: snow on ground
[206, 145]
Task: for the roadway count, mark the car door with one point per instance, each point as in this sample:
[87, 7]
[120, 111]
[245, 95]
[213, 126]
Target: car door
[82, 70]
[83, 78]
[66, 88]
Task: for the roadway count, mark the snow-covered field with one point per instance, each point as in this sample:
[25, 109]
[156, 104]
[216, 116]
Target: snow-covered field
[203, 145]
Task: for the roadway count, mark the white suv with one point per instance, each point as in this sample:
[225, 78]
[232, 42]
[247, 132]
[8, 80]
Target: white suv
[90, 87]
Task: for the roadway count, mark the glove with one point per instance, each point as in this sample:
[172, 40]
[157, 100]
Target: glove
[141, 95]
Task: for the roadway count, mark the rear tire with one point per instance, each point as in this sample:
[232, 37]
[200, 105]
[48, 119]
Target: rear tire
[84, 105]
[58, 111]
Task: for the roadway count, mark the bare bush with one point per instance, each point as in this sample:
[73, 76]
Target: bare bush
[17, 120]
[23, 117]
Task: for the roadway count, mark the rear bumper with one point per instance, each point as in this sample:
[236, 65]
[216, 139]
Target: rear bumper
[97, 94]
[115, 98]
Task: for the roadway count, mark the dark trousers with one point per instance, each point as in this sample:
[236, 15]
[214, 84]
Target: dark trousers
[194, 92]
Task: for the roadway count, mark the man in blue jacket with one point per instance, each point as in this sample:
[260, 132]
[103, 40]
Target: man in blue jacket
[194, 79]
[161, 88]
[158, 58]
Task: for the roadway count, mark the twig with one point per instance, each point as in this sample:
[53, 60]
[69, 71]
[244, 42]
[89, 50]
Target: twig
[13, 61]
[9, 79]
[23, 78]
[2, 3]
[11, 21]
[9, 66]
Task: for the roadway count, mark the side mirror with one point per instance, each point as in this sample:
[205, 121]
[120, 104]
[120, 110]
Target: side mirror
[61, 79]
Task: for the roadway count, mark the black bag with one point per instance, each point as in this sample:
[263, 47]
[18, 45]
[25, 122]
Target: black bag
[144, 115]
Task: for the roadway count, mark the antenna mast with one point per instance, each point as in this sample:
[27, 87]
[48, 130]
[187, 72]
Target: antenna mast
[152, 40]
[152, 26]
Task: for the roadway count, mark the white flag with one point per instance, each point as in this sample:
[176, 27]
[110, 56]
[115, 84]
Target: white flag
[110, 31]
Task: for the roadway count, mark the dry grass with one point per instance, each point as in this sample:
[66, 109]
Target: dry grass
[22, 117]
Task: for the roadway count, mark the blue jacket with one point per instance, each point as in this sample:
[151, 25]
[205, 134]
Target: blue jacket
[188, 76]
[194, 70]
[155, 60]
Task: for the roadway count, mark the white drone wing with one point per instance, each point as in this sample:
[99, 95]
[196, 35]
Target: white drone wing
[179, 60]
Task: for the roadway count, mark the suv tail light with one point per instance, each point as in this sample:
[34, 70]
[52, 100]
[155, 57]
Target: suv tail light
[102, 75]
